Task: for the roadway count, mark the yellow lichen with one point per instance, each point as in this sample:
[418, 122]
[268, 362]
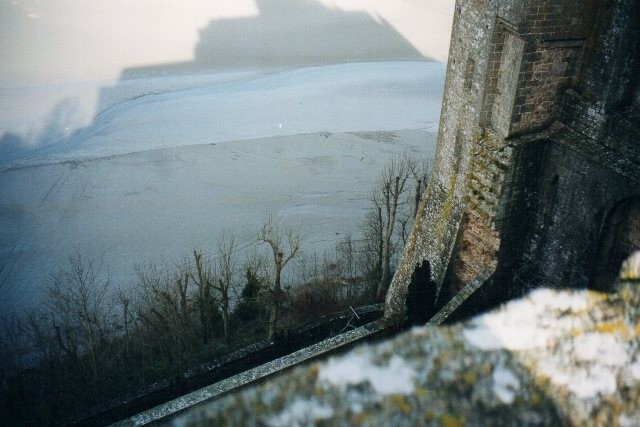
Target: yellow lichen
[447, 208]
[576, 332]
[359, 419]
[451, 421]
[542, 380]
[401, 403]
[261, 407]
[536, 399]
[596, 297]
[486, 369]
[313, 372]
[422, 392]
[617, 327]
[469, 378]
[629, 294]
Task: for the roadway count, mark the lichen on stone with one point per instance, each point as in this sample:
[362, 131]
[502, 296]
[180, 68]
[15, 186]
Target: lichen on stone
[552, 357]
[631, 268]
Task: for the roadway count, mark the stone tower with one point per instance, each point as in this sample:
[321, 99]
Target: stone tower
[537, 173]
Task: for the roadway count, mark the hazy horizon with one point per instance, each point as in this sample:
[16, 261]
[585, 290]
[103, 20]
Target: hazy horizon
[57, 41]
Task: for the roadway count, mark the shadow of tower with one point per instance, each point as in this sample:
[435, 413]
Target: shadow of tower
[292, 34]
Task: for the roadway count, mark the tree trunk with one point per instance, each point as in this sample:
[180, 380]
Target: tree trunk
[273, 319]
[203, 298]
[380, 246]
[275, 297]
[417, 197]
[224, 293]
[391, 204]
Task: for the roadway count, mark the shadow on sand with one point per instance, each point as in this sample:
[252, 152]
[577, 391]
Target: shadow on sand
[285, 34]
[290, 34]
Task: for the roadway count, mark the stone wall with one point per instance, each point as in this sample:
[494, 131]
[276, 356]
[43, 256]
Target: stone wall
[539, 139]
[438, 219]
[506, 367]
[538, 149]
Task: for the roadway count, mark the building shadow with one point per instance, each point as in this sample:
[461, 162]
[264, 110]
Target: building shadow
[289, 34]
[55, 130]
[285, 34]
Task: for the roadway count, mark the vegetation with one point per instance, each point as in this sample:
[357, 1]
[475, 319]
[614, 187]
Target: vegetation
[92, 341]
[395, 200]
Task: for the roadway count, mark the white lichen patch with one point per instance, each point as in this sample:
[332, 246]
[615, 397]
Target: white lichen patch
[593, 381]
[584, 375]
[521, 324]
[501, 329]
[301, 413]
[560, 358]
[631, 267]
[629, 420]
[505, 385]
[584, 382]
[633, 371]
[396, 377]
[357, 408]
[555, 340]
[564, 301]
[419, 331]
[600, 348]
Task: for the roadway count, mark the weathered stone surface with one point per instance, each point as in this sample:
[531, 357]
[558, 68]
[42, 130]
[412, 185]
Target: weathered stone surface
[538, 146]
[553, 357]
[631, 268]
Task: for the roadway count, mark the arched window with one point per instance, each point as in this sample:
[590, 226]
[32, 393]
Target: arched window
[619, 238]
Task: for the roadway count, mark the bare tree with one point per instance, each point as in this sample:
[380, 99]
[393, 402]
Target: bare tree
[387, 198]
[284, 244]
[13, 344]
[250, 307]
[77, 302]
[370, 259]
[345, 257]
[124, 303]
[420, 173]
[408, 211]
[226, 279]
[204, 279]
[165, 309]
[216, 285]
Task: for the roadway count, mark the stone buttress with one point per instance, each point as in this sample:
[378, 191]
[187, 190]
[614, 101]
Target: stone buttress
[538, 156]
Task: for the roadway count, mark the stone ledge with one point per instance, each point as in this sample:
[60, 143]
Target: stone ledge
[553, 357]
[164, 412]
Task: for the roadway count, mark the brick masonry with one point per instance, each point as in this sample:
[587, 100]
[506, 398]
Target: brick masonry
[539, 141]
